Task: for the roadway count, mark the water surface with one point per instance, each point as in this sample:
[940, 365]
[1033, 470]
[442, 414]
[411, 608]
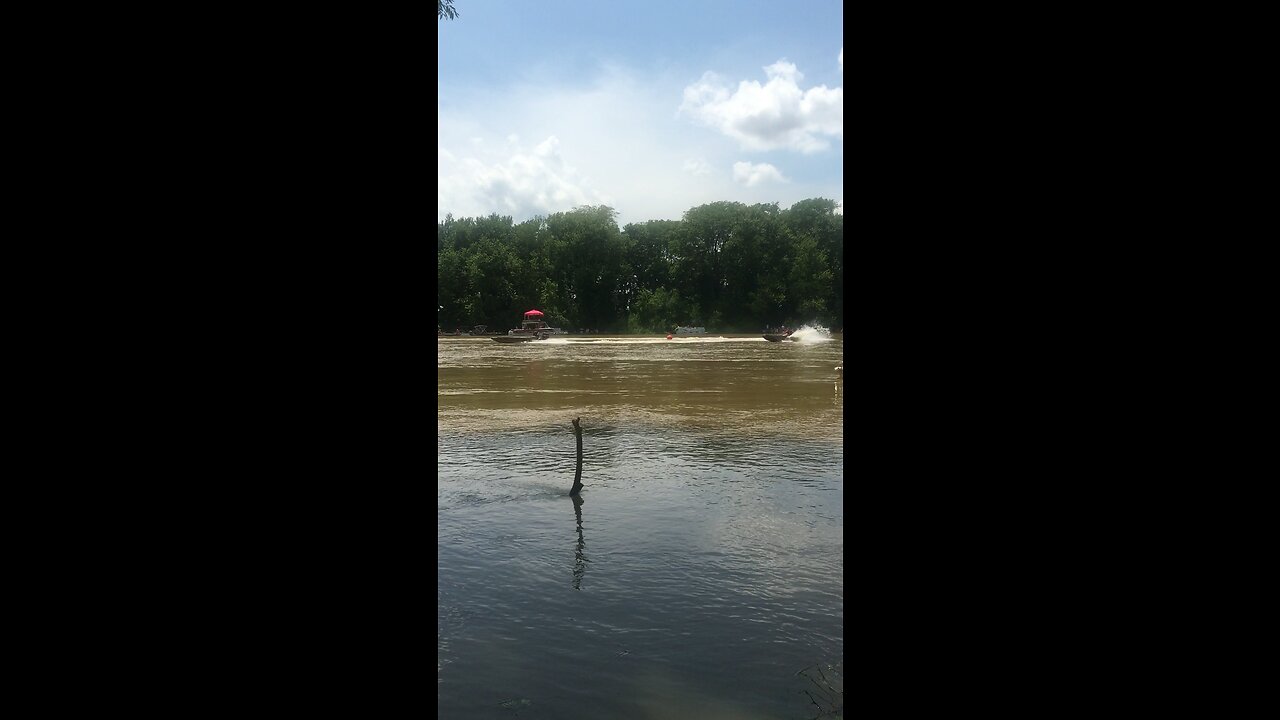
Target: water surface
[700, 575]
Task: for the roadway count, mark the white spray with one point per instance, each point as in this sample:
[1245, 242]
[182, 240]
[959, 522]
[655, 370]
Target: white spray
[811, 334]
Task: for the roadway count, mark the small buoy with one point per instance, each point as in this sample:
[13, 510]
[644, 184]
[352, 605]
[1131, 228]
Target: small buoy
[668, 336]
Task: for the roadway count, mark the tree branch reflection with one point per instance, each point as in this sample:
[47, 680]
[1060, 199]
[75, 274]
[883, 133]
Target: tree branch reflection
[580, 559]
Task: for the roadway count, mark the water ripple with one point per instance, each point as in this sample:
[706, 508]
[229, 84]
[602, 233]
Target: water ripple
[701, 572]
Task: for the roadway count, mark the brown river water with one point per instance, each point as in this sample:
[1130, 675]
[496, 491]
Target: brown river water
[700, 574]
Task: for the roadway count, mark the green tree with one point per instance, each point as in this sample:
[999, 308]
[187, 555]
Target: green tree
[491, 297]
[809, 281]
[698, 247]
[655, 311]
[445, 9]
[586, 253]
[647, 251]
[751, 259]
[725, 265]
[451, 284]
[816, 218]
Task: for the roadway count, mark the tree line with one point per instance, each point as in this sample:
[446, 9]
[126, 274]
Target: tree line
[727, 266]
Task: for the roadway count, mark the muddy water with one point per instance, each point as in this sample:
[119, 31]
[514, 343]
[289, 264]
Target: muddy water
[701, 575]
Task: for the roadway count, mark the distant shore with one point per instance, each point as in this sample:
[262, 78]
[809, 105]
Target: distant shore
[625, 335]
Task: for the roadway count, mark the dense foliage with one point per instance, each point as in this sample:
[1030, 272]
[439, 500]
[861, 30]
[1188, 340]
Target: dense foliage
[727, 266]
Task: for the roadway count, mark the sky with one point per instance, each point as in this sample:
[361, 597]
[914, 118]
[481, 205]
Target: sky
[651, 108]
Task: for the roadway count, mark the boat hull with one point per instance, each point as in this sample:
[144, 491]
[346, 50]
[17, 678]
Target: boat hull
[512, 338]
[775, 337]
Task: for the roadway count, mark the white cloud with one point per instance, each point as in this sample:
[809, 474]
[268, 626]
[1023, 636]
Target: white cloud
[617, 142]
[772, 116]
[522, 185]
[752, 175]
[697, 166]
[616, 135]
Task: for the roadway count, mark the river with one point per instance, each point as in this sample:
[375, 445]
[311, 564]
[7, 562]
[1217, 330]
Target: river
[700, 574]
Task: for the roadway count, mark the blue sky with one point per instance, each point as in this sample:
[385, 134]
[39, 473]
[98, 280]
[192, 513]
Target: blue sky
[649, 107]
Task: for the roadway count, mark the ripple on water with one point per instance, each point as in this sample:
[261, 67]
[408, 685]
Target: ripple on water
[701, 571]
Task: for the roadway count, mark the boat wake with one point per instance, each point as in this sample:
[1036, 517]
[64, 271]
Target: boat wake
[806, 335]
[811, 335]
[640, 340]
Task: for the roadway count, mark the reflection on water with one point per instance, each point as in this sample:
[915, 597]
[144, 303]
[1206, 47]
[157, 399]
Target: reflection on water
[714, 471]
[580, 558]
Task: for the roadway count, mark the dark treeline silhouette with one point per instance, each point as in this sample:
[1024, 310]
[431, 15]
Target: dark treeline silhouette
[726, 266]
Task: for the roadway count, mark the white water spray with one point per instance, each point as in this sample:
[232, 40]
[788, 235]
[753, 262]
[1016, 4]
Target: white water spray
[811, 334]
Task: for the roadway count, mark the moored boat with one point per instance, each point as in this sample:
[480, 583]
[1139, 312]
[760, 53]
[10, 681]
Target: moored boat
[533, 328]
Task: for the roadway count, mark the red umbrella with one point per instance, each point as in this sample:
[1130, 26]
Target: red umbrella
[534, 312]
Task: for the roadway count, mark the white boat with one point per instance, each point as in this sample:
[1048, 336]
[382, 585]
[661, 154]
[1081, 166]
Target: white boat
[687, 331]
